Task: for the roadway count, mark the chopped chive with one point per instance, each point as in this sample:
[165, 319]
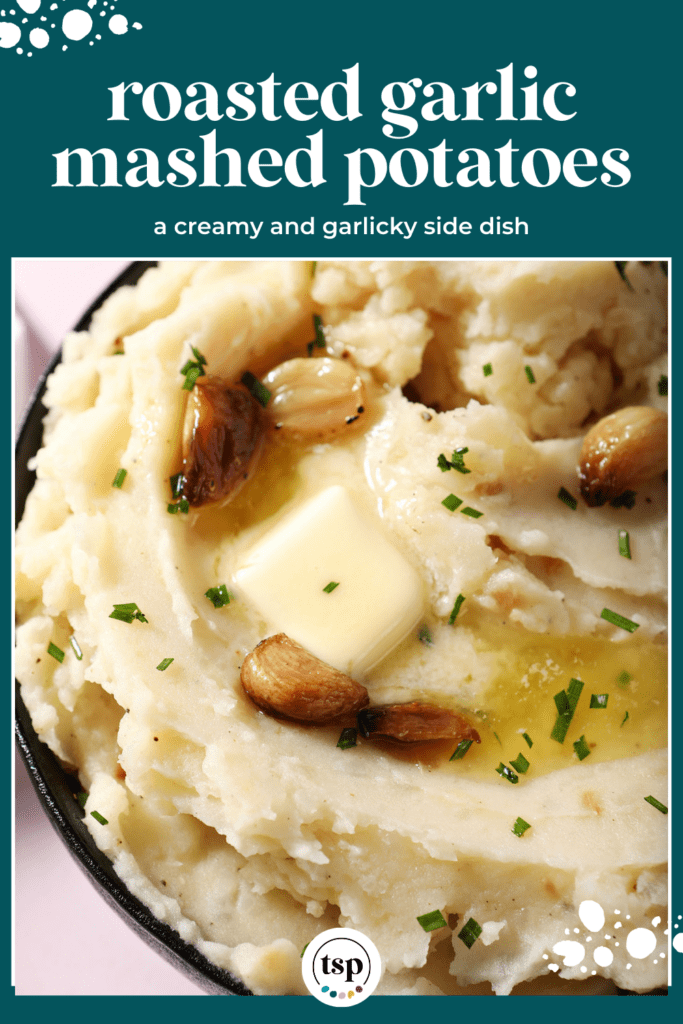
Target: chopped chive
[624, 544]
[177, 482]
[330, 587]
[257, 390]
[581, 747]
[98, 817]
[657, 804]
[565, 702]
[82, 798]
[191, 376]
[621, 268]
[451, 502]
[520, 764]
[178, 506]
[458, 460]
[470, 933]
[498, 738]
[487, 369]
[218, 596]
[471, 512]
[507, 773]
[624, 719]
[599, 700]
[425, 636]
[55, 651]
[528, 739]
[624, 678]
[562, 703]
[431, 921]
[76, 648]
[443, 463]
[163, 665]
[520, 827]
[456, 608]
[127, 613]
[529, 374]
[314, 264]
[569, 500]
[198, 356]
[625, 500]
[460, 751]
[663, 386]
[319, 333]
[618, 620]
[119, 478]
[304, 949]
[347, 738]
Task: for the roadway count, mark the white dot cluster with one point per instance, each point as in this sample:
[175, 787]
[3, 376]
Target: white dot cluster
[641, 943]
[75, 25]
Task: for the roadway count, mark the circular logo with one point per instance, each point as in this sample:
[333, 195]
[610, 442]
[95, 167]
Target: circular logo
[341, 967]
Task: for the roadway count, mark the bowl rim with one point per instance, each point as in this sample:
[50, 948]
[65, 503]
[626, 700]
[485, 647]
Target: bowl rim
[57, 788]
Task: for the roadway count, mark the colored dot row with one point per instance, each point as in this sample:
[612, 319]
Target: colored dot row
[341, 995]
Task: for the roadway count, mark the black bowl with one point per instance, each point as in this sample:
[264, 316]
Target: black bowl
[56, 787]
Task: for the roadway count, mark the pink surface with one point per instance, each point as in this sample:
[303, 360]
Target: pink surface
[67, 939]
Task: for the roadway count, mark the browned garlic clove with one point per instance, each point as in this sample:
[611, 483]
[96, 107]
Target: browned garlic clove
[415, 722]
[622, 451]
[315, 399]
[223, 435]
[284, 679]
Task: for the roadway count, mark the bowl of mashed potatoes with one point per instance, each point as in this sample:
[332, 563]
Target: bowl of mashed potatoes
[342, 601]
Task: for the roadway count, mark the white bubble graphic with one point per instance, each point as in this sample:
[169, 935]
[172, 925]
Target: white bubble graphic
[640, 943]
[10, 34]
[592, 915]
[118, 24]
[678, 942]
[30, 6]
[76, 24]
[603, 956]
[39, 38]
[573, 952]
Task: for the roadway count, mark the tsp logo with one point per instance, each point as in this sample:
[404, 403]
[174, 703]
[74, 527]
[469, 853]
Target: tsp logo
[341, 967]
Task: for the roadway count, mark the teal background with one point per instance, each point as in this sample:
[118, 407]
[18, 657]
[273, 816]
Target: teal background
[622, 58]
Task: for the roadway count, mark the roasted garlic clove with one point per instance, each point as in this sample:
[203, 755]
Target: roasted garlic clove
[283, 679]
[314, 399]
[622, 451]
[223, 435]
[415, 722]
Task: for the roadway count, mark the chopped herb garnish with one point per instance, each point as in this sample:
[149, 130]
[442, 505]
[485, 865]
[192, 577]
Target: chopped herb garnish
[618, 620]
[663, 386]
[257, 390]
[98, 817]
[529, 374]
[624, 544]
[470, 933]
[119, 478]
[425, 636]
[656, 803]
[304, 949]
[487, 369]
[330, 587]
[319, 333]
[581, 747]
[218, 596]
[520, 764]
[347, 738]
[76, 648]
[55, 651]
[178, 506]
[458, 460]
[565, 702]
[599, 700]
[621, 268]
[624, 719]
[624, 678]
[82, 798]
[314, 264]
[451, 502]
[471, 512]
[191, 374]
[431, 921]
[507, 773]
[177, 482]
[520, 827]
[198, 356]
[528, 739]
[460, 751]
[456, 608]
[443, 463]
[163, 665]
[625, 500]
[498, 738]
[569, 499]
[127, 613]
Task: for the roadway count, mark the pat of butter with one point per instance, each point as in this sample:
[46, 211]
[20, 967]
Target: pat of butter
[377, 602]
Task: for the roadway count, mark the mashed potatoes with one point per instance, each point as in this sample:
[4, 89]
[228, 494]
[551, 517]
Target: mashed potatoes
[250, 833]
